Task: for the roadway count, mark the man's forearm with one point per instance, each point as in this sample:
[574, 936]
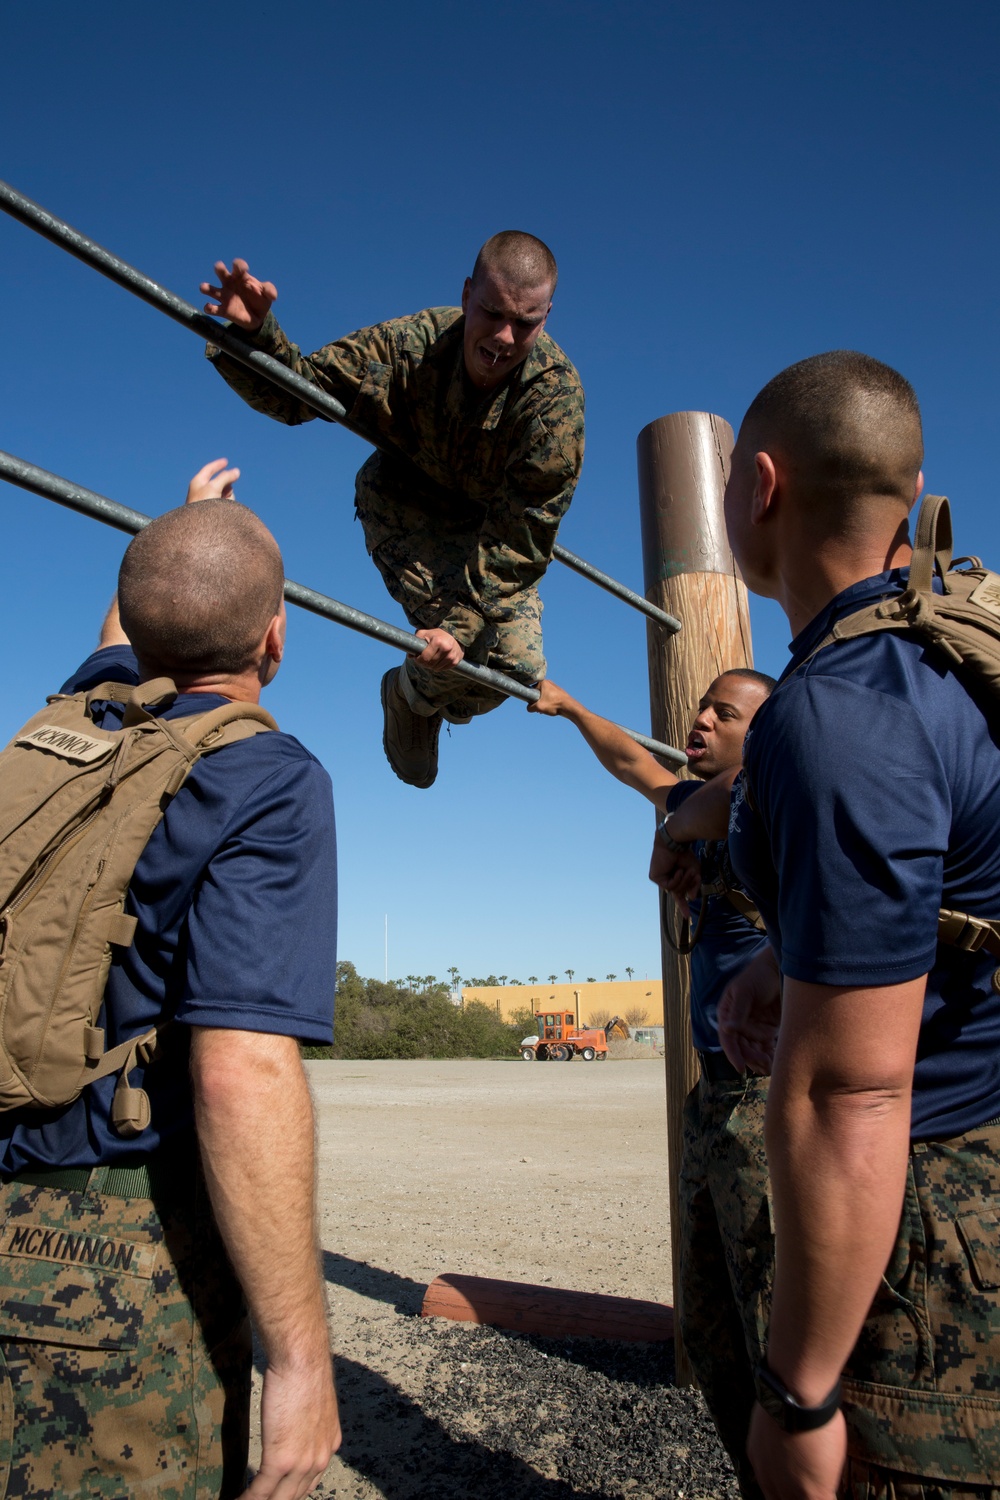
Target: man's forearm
[256, 1133]
[705, 814]
[112, 633]
[837, 1136]
[620, 755]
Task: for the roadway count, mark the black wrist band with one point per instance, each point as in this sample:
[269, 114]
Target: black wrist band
[781, 1405]
[671, 843]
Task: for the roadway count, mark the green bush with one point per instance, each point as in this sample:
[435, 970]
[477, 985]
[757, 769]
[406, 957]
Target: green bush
[373, 1019]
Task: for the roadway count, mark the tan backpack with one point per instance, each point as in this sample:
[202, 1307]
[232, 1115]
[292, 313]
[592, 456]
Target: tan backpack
[963, 625]
[78, 805]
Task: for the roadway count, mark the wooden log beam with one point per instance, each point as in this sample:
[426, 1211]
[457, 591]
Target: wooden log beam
[689, 572]
[550, 1311]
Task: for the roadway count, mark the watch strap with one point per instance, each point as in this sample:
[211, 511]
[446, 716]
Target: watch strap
[663, 832]
[781, 1405]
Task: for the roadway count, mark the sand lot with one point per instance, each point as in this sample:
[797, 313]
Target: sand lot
[534, 1172]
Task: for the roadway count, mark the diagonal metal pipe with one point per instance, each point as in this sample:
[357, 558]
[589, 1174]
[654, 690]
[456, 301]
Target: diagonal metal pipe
[88, 503]
[31, 214]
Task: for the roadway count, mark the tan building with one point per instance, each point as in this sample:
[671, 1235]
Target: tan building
[637, 1001]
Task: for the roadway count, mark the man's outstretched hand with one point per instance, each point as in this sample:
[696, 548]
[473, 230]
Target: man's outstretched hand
[213, 482]
[441, 652]
[239, 296]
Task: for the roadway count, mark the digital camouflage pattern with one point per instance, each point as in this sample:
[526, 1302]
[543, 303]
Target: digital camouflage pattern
[726, 1253]
[511, 642]
[866, 1482]
[922, 1386]
[473, 484]
[125, 1349]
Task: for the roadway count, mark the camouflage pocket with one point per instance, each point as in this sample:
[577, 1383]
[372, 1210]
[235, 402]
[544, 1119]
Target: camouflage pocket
[979, 1232]
[68, 1277]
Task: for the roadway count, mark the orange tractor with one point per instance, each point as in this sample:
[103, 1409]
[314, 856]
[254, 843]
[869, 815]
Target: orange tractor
[559, 1038]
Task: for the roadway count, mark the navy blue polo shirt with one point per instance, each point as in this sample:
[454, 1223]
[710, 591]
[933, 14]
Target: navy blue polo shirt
[727, 944]
[236, 900]
[870, 798]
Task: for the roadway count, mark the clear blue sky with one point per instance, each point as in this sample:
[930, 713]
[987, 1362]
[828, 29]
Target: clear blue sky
[727, 188]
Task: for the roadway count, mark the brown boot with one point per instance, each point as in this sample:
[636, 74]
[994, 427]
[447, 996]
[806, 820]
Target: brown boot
[410, 740]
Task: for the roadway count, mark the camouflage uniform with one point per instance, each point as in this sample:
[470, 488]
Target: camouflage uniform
[124, 1345]
[461, 501]
[726, 1253]
[922, 1385]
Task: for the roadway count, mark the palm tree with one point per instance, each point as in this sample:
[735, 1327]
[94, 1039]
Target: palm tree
[611, 978]
[569, 974]
[591, 979]
[553, 978]
[629, 971]
[453, 971]
[503, 978]
[532, 978]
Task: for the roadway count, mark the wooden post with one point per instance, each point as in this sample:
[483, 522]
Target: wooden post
[689, 572]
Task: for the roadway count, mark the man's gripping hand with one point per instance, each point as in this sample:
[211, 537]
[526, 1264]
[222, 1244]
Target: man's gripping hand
[750, 1014]
[441, 652]
[551, 699]
[239, 297]
[213, 482]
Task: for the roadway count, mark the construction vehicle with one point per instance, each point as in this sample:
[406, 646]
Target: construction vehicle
[560, 1038]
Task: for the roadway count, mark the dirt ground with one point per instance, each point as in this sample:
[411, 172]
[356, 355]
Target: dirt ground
[523, 1171]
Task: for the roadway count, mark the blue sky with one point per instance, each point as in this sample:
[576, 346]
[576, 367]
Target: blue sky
[727, 188]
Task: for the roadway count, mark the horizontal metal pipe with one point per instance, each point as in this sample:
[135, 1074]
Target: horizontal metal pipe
[60, 233]
[620, 591]
[31, 214]
[88, 503]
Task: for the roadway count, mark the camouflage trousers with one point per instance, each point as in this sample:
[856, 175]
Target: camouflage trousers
[425, 569]
[726, 1253]
[922, 1385]
[124, 1349]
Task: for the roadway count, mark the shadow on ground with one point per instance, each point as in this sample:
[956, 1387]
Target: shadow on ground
[399, 1292]
[391, 1442]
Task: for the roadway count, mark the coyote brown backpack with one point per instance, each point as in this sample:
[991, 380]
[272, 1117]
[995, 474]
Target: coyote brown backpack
[963, 624]
[78, 805]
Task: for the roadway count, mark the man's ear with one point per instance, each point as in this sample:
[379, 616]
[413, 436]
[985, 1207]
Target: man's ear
[273, 647]
[765, 490]
[466, 293]
[918, 489]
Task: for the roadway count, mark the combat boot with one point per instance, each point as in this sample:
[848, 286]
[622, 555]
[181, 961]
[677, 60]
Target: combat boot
[410, 740]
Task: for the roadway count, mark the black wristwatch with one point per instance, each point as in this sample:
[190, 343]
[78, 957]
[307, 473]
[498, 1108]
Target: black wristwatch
[664, 833]
[790, 1414]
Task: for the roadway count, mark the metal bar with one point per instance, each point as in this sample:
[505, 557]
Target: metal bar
[87, 503]
[60, 233]
[620, 591]
[210, 329]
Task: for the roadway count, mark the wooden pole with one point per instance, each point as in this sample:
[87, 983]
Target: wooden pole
[689, 572]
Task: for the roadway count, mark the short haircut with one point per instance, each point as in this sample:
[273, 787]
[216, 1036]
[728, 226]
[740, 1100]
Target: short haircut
[517, 257]
[760, 678]
[198, 586]
[847, 424]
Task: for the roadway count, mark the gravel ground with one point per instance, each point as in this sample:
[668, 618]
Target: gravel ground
[528, 1172]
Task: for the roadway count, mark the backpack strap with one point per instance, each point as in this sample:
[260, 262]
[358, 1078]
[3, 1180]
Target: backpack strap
[932, 544]
[130, 1111]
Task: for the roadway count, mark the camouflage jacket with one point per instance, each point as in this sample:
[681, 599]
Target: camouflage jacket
[499, 466]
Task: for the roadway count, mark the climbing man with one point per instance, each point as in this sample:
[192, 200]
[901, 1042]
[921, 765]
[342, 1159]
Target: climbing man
[725, 1236]
[477, 420]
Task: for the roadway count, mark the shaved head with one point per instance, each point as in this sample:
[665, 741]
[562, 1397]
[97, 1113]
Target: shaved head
[517, 258]
[846, 426]
[199, 586]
